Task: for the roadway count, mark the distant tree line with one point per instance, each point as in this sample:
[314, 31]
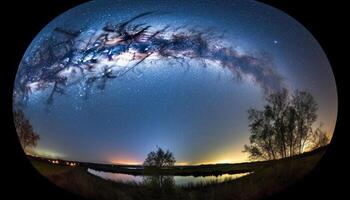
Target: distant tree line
[284, 127]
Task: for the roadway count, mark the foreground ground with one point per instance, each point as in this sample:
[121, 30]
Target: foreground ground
[267, 178]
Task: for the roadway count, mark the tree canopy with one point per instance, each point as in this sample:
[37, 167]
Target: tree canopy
[28, 138]
[159, 159]
[283, 127]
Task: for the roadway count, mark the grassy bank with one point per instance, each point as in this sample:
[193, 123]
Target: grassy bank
[195, 170]
[268, 178]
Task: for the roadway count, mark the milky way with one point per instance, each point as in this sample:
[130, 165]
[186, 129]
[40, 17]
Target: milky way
[108, 81]
[95, 56]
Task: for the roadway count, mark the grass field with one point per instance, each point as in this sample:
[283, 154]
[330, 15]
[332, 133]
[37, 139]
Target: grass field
[49, 169]
[268, 178]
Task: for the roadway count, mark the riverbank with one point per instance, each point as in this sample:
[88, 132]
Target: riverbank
[266, 179]
[195, 170]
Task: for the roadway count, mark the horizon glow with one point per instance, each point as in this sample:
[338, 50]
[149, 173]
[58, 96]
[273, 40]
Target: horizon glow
[186, 88]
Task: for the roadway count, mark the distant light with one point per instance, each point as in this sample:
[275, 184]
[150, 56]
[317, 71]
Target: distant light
[223, 161]
[181, 163]
[275, 42]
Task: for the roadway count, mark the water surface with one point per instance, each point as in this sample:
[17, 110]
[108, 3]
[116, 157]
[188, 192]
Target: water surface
[179, 180]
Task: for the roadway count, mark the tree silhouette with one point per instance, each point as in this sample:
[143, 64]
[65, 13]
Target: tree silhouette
[319, 138]
[305, 108]
[284, 127]
[28, 138]
[159, 159]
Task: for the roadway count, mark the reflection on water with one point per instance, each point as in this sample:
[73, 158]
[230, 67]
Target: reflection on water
[158, 181]
[186, 180]
[165, 180]
[125, 178]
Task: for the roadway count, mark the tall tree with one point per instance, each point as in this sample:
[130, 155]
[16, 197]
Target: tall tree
[262, 134]
[278, 104]
[284, 127]
[305, 107]
[290, 130]
[28, 138]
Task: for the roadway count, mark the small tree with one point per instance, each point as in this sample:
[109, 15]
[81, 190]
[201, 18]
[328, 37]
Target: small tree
[159, 159]
[28, 138]
[319, 138]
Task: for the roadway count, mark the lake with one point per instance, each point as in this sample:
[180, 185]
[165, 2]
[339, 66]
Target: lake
[179, 180]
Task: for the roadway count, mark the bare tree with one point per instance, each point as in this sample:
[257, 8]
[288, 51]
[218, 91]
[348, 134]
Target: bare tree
[159, 159]
[278, 107]
[319, 138]
[28, 138]
[305, 108]
[284, 127]
[262, 135]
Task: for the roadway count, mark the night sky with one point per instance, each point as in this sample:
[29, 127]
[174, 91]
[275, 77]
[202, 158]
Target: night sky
[197, 112]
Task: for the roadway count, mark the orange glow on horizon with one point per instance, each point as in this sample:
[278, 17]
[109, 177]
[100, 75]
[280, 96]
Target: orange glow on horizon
[224, 161]
[125, 162]
[218, 160]
[228, 158]
[181, 163]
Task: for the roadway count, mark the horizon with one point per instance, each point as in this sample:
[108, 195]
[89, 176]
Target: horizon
[194, 106]
[33, 154]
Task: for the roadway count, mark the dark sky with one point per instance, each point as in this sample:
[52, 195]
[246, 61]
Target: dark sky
[199, 113]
